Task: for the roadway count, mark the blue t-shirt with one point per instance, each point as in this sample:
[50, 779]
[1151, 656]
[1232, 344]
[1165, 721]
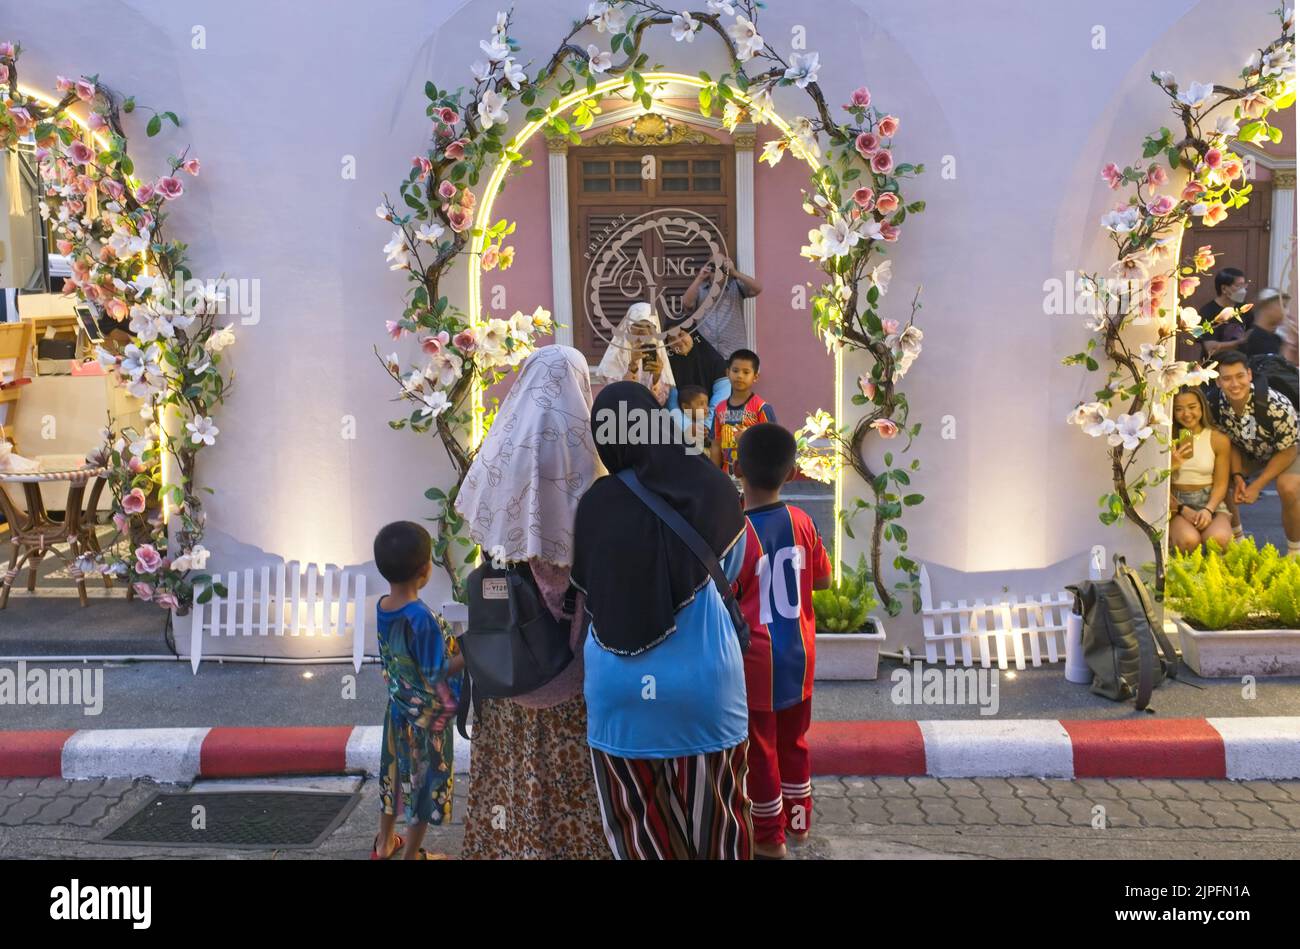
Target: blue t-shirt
[415, 665]
[685, 696]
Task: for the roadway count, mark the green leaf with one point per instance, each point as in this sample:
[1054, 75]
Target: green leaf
[912, 500]
[435, 494]
[154, 126]
[128, 106]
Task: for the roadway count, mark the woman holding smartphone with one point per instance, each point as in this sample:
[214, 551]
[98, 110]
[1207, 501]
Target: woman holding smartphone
[637, 354]
[1199, 484]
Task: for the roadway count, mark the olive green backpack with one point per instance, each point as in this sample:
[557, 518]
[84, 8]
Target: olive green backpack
[1124, 641]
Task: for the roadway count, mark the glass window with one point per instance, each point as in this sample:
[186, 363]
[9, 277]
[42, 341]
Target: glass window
[595, 185]
[595, 168]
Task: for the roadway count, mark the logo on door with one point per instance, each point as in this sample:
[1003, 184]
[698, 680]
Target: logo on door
[652, 257]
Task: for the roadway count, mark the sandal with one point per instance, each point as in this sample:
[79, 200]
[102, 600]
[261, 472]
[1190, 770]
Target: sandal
[397, 851]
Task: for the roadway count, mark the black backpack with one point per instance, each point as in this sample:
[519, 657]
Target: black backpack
[1277, 374]
[512, 644]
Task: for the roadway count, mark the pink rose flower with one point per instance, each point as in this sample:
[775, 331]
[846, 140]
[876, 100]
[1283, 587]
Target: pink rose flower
[882, 162]
[1191, 191]
[886, 427]
[867, 386]
[170, 187]
[887, 203]
[889, 326]
[112, 188]
[1156, 176]
[448, 115]
[97, 122]
[395, 329]
[455, 150]
[1232, 169]
[1214, 214]
[490, 258]
[167, 601]
[888, 126]
[1157, 285]
[192, 166]
[1187, 286]
[147, 559]
[459, 219]
[432, 345]
[1160, 206]
[81, 153]
[889, 232]
[143, 590]
[425, 166]
[861, 97]
[1112, 176]
[144, 194]
[863, 198]
[465, 341]
[1214, 158]
[133, 502]
[137, 466]
[467, 199]
[120, 522]
[65, 247]
[22, 119]
[866, 144]
[85, 90]
[446, 190]
[61, 83]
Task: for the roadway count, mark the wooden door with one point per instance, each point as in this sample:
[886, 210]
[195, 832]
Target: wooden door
[1241, 241]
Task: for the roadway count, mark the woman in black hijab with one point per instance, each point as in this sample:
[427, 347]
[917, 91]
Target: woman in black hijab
[664, 683]
[695, 362]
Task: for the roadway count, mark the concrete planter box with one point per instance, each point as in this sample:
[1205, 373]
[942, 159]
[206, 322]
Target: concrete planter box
[850, 656]
[1230, 653]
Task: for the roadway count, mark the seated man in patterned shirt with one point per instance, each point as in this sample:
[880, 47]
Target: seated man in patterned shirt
[1261, 423]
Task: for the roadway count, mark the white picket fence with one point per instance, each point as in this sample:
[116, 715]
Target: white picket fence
[1007, 626]
[283, 601]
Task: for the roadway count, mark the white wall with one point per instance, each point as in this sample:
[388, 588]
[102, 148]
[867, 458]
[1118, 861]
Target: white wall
[1013, 91]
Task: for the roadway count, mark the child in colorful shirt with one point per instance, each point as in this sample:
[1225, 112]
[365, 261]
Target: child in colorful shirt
[785, 561]
[741, 410]
[422, 670]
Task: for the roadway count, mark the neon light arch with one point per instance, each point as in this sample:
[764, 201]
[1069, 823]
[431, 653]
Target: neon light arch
[482, 220]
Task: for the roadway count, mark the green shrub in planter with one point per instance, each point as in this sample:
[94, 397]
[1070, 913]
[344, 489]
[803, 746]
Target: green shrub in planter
[1243, 587]
[845, 606]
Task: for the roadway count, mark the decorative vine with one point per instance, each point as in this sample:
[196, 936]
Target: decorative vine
[855, 193]
[1146, 230]
[110, 222]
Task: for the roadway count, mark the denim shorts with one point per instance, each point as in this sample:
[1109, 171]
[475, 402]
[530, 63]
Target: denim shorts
[1198, 499]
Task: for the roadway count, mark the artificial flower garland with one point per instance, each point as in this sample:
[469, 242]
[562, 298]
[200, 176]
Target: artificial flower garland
[1146, 230]
[109, 222]
[856, 194]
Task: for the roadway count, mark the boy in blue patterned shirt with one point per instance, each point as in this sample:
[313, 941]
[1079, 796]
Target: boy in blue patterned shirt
[422, 669]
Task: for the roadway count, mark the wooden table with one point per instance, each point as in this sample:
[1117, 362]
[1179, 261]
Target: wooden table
[34, 534]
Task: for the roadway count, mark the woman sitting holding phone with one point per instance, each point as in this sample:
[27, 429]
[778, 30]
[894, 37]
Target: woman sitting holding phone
[637, 353]
[1199, 482]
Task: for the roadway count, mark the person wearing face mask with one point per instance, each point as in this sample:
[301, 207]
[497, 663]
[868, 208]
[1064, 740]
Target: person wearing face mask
[1230, 286]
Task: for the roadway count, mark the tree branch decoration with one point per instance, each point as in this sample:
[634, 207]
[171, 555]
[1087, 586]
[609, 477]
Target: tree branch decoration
[855, 194]
[110, 222]
[1147, 230]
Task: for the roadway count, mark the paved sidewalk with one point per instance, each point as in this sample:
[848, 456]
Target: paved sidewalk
[854, 818]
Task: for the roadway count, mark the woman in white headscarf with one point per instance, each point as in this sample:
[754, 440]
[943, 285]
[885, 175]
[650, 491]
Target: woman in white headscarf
[520, 498]
[637, 353]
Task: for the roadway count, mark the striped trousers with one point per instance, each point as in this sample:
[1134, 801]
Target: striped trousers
[691, 808]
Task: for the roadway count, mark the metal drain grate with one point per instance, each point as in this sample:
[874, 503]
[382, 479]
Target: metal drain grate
[237, 819]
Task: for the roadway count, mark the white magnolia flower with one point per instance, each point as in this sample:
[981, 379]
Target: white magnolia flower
[1189, 317]
[762, 106]
[1199, 375]
[125, 244]
[1277, 62]
[430, 232]
[1170, 377]
[495, 49]
[382, 212]
[881, 274]
[838, 238]
[106, 359]
[499, 27]
[599, 60]
[773, 152]
[143, 325]
[203, 431]
[731, 115]
[1196, 94]
[1130, 431]
[140, 446]
[1121, 222]
[1226, 126]
[492, 109]
[481, 71]
[140, 363]
[815, 249]
[200, 361]
[398, 253]
[803, 69]
[684, 27]
[513, 73]
[1092, 419]
[819, 467]
[1152, 354]
[805, 136]
[434, 403]
[817, 426]
[871, 229]
[196, 558]
[221, 339]
[1159, 414]
[444, 369]
[1167, 79]
[722, 7]
[745, 35]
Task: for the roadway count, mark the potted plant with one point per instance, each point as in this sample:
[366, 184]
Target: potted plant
[1237, 610]
[848, 637]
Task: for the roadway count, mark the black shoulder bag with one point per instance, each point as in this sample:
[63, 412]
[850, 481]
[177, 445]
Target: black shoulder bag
[692, 539]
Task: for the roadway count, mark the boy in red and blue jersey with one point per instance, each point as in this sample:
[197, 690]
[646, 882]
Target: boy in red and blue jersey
[785, 561]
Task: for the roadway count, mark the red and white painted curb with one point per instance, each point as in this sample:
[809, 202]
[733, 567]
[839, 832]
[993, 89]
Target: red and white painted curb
[1235, 748]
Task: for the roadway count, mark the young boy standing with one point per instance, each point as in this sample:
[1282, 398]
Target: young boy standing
[741, 410]
[785, 561]
[422, 671]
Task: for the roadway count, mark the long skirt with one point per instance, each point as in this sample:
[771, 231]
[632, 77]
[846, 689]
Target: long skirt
[531, 795]
[691, 808]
